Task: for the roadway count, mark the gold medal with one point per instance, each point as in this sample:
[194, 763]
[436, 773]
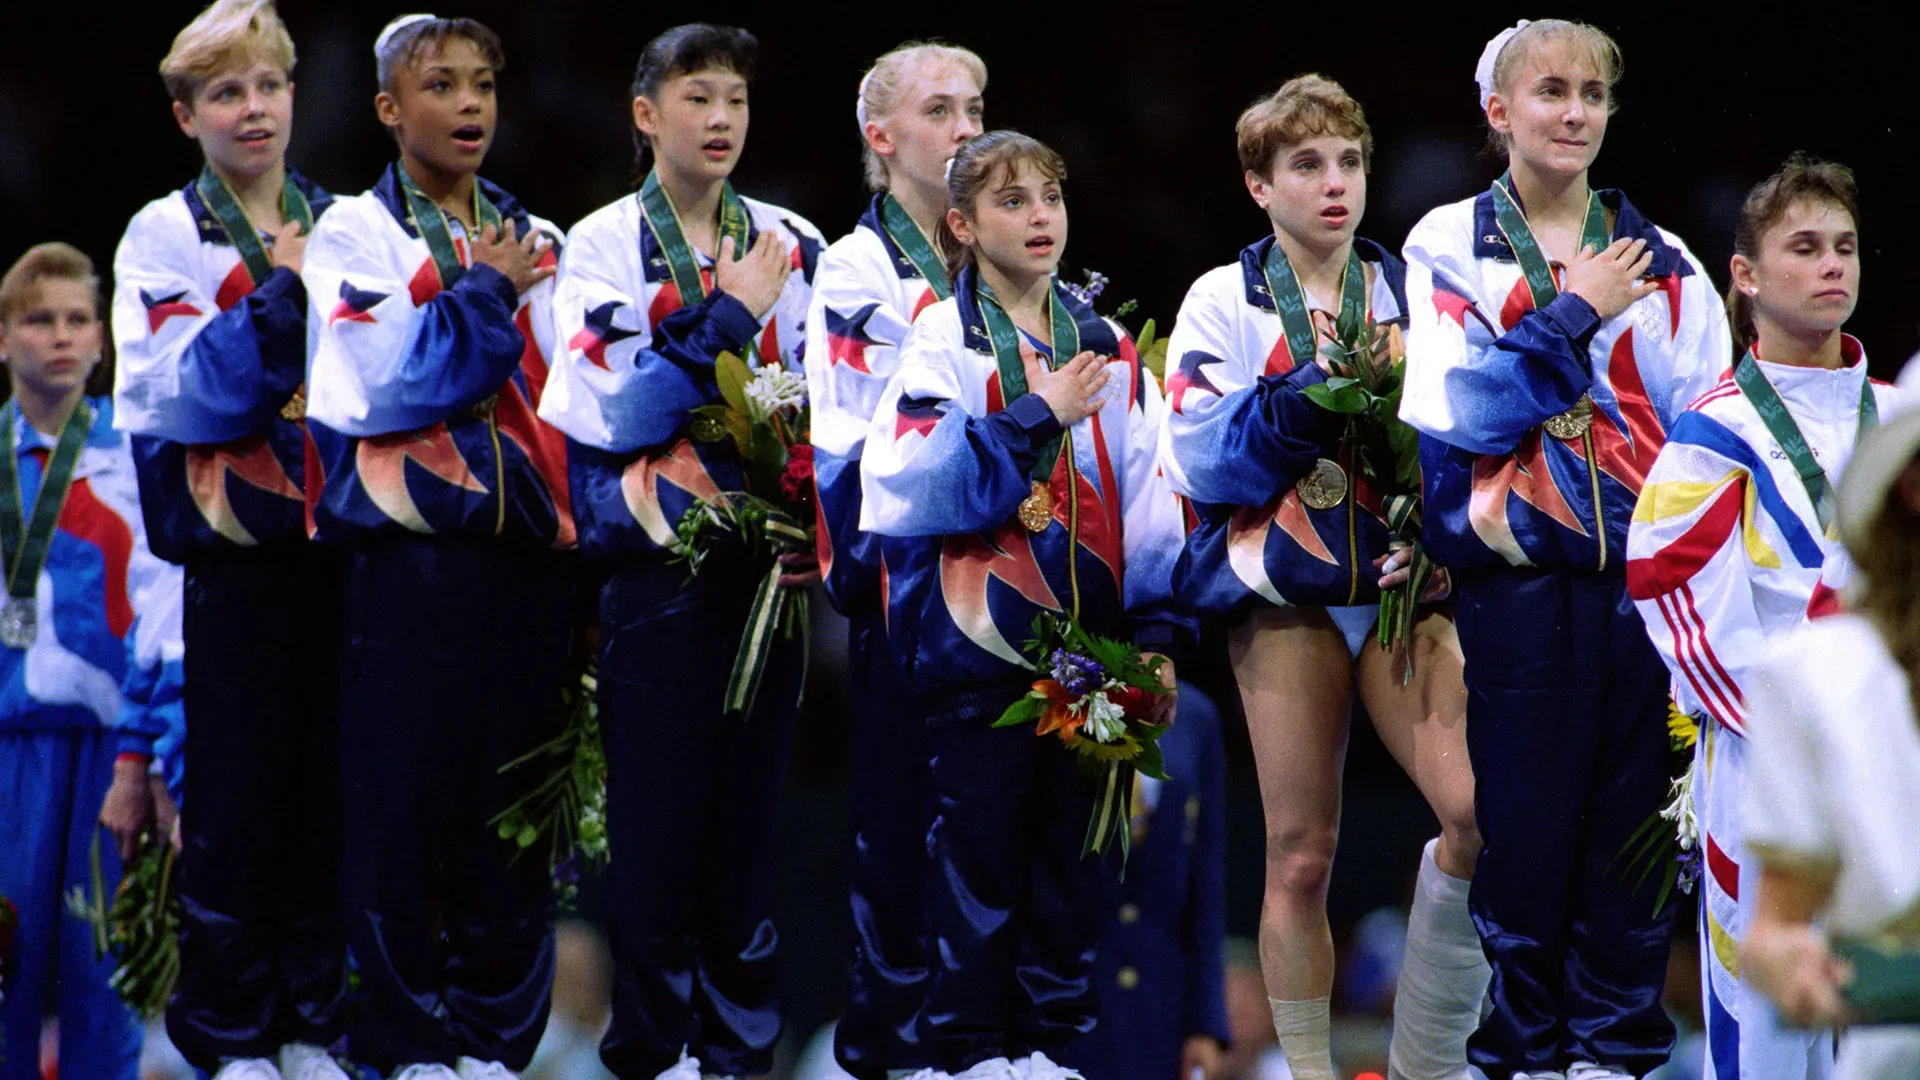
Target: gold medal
[1574, 422]
[1324, 487]
[296, 407]
[1036, 510]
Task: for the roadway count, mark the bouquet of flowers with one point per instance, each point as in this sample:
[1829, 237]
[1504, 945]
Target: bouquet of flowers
[1106, 702]
[1366, 376]
[569, 807]
[140, 926]
[764, 412]
[1668, 842]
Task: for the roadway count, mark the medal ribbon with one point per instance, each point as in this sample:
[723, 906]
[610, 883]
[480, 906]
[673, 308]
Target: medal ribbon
[25, 550]
[1526, 250]
[1291, 302]
[245, 238]
[1773, 412]
[910, 240]
[664, 220]
[432, 223]
[1013, 374]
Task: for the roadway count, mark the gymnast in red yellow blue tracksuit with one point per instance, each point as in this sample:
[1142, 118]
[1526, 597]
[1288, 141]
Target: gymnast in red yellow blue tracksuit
[918, 104]
[653, 288]
[1555, 335]
[998, 505]
[431, 321]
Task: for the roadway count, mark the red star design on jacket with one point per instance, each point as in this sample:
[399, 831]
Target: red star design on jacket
[356, 305]
[234, 287]
[162, 308]
[598, 333]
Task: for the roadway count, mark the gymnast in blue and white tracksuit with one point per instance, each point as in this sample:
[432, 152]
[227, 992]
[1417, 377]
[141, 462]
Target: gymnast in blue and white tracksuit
[643, 312]
[1544, 386]
[920, 102]
[98, 681]
[449, 499]
[1015, 914]
[210, 370]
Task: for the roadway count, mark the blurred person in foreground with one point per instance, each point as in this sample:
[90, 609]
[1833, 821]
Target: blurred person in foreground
[1836, 763]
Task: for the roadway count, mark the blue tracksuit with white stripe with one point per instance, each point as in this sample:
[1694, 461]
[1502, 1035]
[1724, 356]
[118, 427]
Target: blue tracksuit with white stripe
[100, 680]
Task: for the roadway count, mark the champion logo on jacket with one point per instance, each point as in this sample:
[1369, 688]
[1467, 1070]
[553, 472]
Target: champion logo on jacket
[206, 359]
[422, 397]
[1485, 370]
[1241, 434]
[635, 360]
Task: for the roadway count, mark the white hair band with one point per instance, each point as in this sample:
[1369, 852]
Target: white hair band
[1483, 72]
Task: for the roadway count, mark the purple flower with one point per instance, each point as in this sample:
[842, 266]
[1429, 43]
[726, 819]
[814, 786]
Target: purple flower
[1688, 869]
[1088, 293]
[1076, 674]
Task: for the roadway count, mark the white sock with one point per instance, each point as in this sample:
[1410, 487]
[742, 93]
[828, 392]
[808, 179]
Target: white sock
[1443, 979]
[1305, 1031]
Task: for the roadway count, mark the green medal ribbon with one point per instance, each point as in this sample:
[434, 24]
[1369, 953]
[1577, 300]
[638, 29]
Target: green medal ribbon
[25, 549]
[1780, 424]
[245, 238]
[1291, 302]
[1526, 250]
[664, 220]
[1013, 374]
[913, 243]
[432, 223]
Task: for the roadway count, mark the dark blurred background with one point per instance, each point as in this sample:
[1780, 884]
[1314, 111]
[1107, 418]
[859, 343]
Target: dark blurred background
[1141, 101]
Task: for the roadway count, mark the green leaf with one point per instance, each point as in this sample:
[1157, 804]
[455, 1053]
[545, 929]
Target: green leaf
[1125, 309]
[1151, 761]
[1025, 711]
[1145, 341]
[732, 375]
[1348, 399]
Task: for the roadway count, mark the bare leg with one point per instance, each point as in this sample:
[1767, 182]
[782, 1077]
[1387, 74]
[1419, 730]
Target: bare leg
[1295, 677]
[1443, 977]
[1424, 726]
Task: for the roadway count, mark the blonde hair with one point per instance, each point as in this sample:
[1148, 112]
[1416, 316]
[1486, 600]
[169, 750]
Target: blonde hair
[54, 260]
[887, 80]
[227, 30]
[1600, 48]
[1303, 107]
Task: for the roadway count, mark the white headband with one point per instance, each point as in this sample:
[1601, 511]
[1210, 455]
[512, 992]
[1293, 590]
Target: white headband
[394, 27]
[860, 103]
[1483, 72]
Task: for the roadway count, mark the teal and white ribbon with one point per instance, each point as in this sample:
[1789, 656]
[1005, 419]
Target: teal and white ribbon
[776, 608]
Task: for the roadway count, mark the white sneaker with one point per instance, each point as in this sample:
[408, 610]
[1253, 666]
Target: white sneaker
[1587, 1070]
[305, 1061]
[1038, 1066]
[248, 1069]
[992, 1069]
[1540, 1076]
[687, 1068]
[475, 1069]
[917, 1074]
[432, 1070]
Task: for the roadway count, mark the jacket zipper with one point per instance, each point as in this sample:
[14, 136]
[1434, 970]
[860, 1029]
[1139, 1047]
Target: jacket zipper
[1353, 542]
[1593, 474]
[1073, 525]
[499, 472]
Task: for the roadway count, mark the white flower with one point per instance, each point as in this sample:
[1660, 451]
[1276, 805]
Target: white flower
[1680, 810]
[1105, 722]
[772, 389]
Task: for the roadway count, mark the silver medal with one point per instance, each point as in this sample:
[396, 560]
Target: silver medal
[19, 622]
